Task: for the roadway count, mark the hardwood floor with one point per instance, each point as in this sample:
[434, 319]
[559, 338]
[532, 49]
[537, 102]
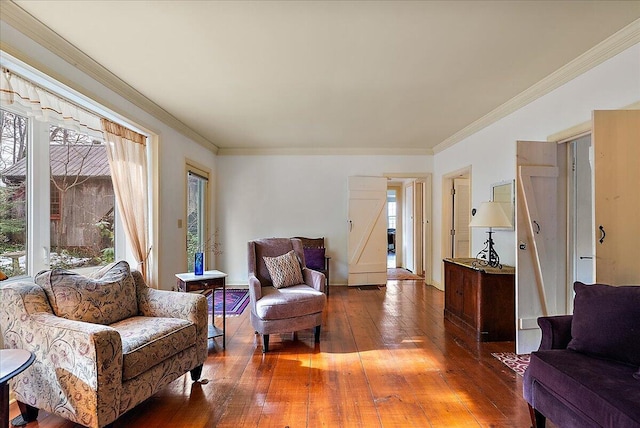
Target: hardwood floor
[386, 358]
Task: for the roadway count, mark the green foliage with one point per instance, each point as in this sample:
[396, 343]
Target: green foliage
[108, 255]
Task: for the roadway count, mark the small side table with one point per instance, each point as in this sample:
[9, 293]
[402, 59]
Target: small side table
[14, 362]
[206, 284]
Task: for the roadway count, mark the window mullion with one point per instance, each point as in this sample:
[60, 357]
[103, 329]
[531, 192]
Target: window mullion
[38, 202]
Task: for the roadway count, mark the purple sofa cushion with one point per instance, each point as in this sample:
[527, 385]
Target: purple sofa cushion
[314, 258]
[606, 322]
[603, 390]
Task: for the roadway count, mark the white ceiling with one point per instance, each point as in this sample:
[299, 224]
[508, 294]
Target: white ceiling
[332, 75]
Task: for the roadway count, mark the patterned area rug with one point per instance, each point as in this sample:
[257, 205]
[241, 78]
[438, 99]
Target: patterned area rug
[517, 363]
[237, 300]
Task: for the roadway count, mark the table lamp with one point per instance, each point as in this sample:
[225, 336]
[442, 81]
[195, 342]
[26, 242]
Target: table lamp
[490, 214]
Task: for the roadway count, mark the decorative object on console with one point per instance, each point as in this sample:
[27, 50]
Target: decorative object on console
[490, 214]
[198, 266]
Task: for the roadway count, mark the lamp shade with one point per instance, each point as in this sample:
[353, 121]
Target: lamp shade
[490, 214]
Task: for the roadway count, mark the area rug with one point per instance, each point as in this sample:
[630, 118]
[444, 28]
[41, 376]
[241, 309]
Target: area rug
[517, 363]
[237, 300]
[401, 274]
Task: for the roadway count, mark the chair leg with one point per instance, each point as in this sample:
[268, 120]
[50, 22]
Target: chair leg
[538, 420]
[317, 333]
[196, 373]
[265, 343]
[27, 414]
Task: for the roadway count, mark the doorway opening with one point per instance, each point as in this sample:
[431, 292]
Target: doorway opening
[409, 223]
[581, 218]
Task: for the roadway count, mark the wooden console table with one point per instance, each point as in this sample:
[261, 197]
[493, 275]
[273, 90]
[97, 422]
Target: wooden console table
[206, 284]
[480, 299]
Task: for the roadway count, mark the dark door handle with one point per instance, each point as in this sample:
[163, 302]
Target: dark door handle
[602, 234]
[535, 223]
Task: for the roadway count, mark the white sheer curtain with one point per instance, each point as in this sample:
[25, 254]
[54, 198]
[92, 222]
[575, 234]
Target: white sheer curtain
[128, 161]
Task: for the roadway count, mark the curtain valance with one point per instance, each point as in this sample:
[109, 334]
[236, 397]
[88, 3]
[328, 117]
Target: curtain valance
[43, 105]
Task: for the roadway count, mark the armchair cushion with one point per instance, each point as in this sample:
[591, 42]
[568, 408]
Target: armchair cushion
[284, 270]
[606, 322]
[314, 258]
[147, 341]
[290, 302]
[109, 298]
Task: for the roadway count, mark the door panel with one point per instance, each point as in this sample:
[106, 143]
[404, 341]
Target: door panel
[409, 228]
[461, 217]
[418, 228]
[616, 140]
[367, 231]
[540, 284]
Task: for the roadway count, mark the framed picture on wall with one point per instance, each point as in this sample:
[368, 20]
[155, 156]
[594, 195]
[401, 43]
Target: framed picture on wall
[503, 192]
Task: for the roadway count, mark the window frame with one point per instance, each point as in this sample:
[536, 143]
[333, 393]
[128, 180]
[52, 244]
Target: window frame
[38, 190]
[192, 167]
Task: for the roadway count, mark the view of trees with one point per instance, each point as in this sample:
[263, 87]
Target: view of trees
[82, 198]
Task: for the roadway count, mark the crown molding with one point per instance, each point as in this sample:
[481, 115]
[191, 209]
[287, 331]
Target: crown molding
[582, 129]
[28, 25]
[280, 151]
[608, 48]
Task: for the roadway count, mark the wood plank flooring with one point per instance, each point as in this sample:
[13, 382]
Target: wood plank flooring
[387, 358]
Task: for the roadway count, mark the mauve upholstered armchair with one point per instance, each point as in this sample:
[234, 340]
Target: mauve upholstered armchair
[278, 308]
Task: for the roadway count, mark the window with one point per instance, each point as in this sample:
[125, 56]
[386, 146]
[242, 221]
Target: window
[56, 209]
[82, 200]
[198, 239]
[81, 205]
[13, 194]
[57, 201]
[391, 209]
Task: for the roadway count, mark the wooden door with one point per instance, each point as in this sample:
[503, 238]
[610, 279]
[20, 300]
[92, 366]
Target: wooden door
[418, 228]
[541, 272]
[616, 140]
[367, 244]
[461, 217]
[409, 232]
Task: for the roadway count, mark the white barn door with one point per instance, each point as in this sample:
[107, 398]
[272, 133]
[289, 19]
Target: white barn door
[367, 245]
[540, 270]
[616, 140]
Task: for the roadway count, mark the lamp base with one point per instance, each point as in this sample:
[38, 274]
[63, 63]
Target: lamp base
[488, 256]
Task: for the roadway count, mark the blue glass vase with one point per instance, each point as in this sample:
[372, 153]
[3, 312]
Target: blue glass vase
[198, 267]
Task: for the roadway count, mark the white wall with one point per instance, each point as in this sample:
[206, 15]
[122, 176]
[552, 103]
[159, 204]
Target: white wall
[284, 196]
[173, 148]
[491, 152]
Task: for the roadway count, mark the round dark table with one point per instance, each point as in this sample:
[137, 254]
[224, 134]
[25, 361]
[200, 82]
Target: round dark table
[12, 363]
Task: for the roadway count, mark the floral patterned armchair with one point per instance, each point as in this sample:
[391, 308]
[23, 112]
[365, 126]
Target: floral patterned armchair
[103, 344]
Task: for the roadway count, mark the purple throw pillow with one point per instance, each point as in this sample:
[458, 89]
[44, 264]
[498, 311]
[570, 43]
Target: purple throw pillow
[314, 258]
[606, 322]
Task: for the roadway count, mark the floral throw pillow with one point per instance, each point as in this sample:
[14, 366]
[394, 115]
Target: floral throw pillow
[107, 297]
[284, 270]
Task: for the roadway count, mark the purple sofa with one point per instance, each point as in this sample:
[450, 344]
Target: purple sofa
[586, 371]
